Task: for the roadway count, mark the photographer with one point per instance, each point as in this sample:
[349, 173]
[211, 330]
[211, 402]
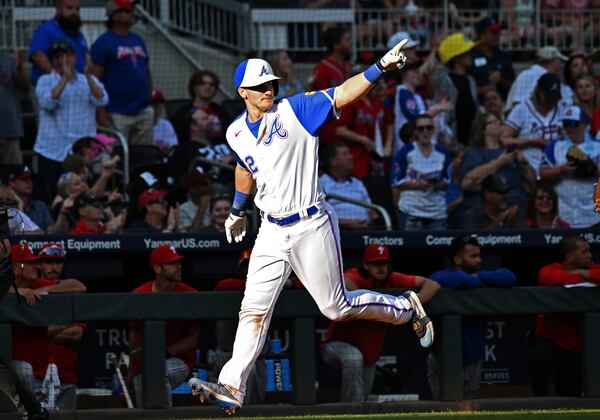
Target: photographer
[24, 403]
[572, 164]
[18, 222]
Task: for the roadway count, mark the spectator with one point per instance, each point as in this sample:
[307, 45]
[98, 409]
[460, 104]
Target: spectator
[588, 97]
[69, 186]
[202, 121]
[367, 128]
[63, 340]
[455, 53]
[100, 181]
[64, 26]
[13, 81]
[18, 223]
[555, 354]
[30, 344]
[180, 336]
[493, 103]
[90, 211]
[283, 66]
[487, 156]
[120, 60]
[338, 179]
[157, 216]
[577, 66]
[420, 179]
[549, 60]
[532, 124]
[193, 214]
[332, 70]
[493, 212]
[354, 347]
[408, 104]
[68, 102]
[201, 130]
[491, 66]
[20, 181]
[465, 273]
[542, 211]
[164, 133]
[220, 207]
[225, 330]
[572, 164]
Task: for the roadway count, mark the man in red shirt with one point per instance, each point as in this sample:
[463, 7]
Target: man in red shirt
[333, 70]
[89, 213]
[30, 344]
[180, 336]
[354, 347]
[63, 340]
[556, 348]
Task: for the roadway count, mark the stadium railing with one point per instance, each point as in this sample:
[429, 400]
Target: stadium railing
[387, 220]
[449, 305]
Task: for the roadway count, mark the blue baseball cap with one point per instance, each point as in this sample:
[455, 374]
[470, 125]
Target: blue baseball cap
[254, 72]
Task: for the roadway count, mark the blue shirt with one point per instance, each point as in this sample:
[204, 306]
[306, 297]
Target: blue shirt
[473, 329]
[39, 213]
[125, 62]
[43, 38]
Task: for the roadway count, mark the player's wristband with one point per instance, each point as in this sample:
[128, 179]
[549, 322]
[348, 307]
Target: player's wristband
[373, 73]
[240, 203]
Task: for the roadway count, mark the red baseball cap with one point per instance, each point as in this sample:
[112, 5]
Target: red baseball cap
[52, 251]
[158, 96]
[21, 253]
[164, 255]
[376, 253]
[150, 196]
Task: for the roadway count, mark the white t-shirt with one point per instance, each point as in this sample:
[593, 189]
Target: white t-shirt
[19, 222]
[528, 123]
[164, 134]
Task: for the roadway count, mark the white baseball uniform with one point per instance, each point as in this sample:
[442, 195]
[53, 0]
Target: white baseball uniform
[299, 230]
[529, 123]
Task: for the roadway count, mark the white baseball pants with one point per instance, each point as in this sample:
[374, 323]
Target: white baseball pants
[310, 247]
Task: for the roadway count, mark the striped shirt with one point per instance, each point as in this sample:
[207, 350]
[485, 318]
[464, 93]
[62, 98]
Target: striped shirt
[68, 118]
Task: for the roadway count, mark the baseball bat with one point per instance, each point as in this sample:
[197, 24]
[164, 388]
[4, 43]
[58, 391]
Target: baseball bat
[115, 362]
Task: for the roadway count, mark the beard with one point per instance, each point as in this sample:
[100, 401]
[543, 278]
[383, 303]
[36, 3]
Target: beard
[69, 25]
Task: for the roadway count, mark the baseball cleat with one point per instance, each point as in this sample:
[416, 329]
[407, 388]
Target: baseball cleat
[217, 393]
[421, 323]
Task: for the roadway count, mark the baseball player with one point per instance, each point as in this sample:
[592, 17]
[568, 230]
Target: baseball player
[276, 146]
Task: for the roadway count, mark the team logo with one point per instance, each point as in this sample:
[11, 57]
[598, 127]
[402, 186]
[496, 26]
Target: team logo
[263, 71]
[276, 130]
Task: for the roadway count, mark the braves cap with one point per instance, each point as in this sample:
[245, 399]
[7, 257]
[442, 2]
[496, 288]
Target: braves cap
[87, 198]
[62, 45]
[21, 253]
[487, 23]
[253, 72]
[575, 113]
[376, 253]
[496, 182]
[399, 36]
[549, 84]
[19, 172]
[164, 254]
[52, 251]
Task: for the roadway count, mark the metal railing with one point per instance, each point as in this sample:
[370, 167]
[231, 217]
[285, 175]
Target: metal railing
[379, 209]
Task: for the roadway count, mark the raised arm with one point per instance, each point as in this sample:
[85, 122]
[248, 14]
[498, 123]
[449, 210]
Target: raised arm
[356, 87]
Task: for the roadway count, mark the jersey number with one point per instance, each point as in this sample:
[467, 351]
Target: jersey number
[251, 164]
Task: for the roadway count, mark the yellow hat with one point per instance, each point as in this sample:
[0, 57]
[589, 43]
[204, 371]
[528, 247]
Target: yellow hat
[453, 46]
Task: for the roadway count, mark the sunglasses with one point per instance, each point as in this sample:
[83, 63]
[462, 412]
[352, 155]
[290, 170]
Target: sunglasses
[544, 197]
[570, 124]
[423, 128]
[53, 251]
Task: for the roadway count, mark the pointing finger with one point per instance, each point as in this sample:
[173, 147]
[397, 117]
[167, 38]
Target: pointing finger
[399, 46]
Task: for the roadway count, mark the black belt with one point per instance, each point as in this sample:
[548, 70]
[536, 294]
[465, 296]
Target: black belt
[292, 218]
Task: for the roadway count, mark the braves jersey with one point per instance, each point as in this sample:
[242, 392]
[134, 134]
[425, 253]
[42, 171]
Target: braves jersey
[529, 123]
[410, 164]
[575, 205]
[408, 105]
[281, 151]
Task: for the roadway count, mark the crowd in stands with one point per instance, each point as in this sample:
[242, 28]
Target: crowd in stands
[456, 139]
